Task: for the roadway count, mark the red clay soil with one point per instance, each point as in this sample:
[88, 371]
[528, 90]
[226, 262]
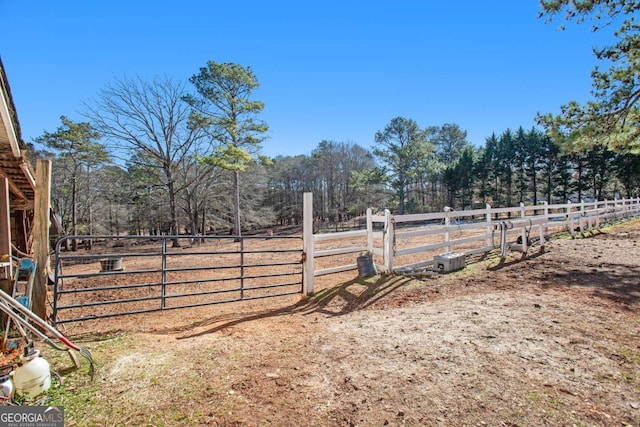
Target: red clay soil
[549, 340]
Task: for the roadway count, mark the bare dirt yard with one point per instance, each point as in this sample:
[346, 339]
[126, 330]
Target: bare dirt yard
[550, 340]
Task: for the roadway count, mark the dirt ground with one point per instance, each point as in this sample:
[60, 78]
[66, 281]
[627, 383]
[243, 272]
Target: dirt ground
[550, 340]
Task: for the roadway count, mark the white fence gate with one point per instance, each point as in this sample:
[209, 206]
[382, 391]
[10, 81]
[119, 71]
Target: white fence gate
[401, 243]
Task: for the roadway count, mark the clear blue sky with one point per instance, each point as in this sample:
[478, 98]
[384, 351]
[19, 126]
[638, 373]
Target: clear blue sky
[337, 70]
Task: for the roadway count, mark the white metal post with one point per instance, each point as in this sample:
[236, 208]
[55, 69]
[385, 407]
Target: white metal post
[369, 232]
[388, 238]
[570, 219]
[544, 225]
[625, 209]
[523, 232]
[308, 244]
[546, 217]
[489, 240]
[447, 223]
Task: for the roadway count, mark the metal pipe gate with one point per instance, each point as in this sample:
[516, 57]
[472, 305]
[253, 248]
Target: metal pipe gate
[110, 276]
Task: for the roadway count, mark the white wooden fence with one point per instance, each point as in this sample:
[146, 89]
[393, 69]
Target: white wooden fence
[401, 243]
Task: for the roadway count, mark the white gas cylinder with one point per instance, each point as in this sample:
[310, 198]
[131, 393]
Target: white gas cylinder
[6, 385]
[33, 377]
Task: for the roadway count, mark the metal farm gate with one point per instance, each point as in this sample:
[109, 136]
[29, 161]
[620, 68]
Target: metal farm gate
[107, 276]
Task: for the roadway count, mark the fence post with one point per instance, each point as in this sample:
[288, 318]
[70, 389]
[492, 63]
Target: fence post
[369, 232]
[163, 274]
[388, 236]
[308, 245]
[544, 228]
[570, 219]
[523, 233]
[447, 223]
[6, 282]
[629, 208]
[489, 240]
[546, 216]
[241, 266]
[42, 203]
[625, 209]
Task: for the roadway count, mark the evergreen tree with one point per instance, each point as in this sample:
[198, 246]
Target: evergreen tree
[77, 145]
[627, 170]
[612, 118]
[399, 146]
[225, 110]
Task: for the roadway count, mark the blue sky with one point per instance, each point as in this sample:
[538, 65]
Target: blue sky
[336, 70]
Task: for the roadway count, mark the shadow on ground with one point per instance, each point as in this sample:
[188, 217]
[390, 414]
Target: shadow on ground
[336, 301]
[614, 282]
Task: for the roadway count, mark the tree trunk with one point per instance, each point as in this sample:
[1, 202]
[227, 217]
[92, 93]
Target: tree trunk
[110, 217]
[549, 183]
[203, 229]
[74, 209]
[535, 186]
[89, 243]
[401, 193]
[172, 207]
[236, 200]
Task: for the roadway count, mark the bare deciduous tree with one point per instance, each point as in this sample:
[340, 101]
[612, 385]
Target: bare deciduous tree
[150, 121]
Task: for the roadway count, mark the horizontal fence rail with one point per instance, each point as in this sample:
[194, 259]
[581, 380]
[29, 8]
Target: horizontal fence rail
[404, 243]
[111, 276]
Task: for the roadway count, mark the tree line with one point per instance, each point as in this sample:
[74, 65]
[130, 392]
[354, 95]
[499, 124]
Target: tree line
[414, 170]
[165, 157]
[160, 156]
[410, 169]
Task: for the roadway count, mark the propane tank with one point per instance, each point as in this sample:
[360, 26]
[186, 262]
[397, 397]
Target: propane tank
[33, 377]
[6, 385]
